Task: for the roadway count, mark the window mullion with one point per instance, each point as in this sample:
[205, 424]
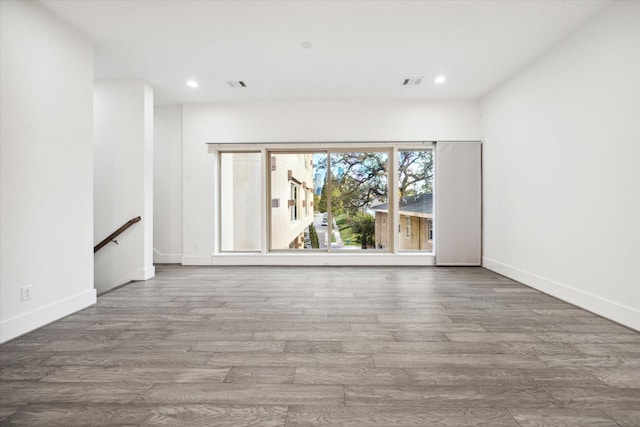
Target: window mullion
[394, 215]
[329, 211]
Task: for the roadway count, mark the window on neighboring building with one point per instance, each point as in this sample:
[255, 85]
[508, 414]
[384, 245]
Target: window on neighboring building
[430, 229]
[293, 202]
[407, 221]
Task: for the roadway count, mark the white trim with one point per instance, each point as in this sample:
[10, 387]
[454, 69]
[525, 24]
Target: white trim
[611, 310]
[324, 259]
[391, 148]
[217, 223]
[265, 199]
[27, 322]
[196, 260]
[160, 258]
[458, 264]
[315, 145]
[393, 216]
[145, 273]
[416, 214]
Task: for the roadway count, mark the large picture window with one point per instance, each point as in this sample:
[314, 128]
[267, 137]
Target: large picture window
[331, 200]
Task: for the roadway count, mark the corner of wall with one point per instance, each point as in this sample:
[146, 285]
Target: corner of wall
[620, 313]
[561, 167]
[23, 323]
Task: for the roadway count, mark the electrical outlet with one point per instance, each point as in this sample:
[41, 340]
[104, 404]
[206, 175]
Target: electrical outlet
[195, 246]
[25, 293]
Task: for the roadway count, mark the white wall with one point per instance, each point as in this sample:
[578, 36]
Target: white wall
[46, 212]
[299, 122]
[167, 185]
[561, 151]
[123, 180]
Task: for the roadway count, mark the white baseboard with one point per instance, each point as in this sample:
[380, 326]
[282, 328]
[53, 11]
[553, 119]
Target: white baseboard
[457, 264]
[611, 310]
[160, 258]
[308, 259]
[196, 260]
[21, 324]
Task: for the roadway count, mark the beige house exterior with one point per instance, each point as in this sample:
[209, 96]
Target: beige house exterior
[416, 223]
[291, 183]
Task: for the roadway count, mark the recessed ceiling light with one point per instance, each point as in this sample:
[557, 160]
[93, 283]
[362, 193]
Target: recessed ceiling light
[306, 45]
[440, 79]
[192, 83]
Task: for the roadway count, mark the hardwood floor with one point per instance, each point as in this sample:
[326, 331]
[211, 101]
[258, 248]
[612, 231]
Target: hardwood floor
[342, 346]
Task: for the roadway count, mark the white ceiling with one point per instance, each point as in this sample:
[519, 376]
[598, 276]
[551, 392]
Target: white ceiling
[361, 49]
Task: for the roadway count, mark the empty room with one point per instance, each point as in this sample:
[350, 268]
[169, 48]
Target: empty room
[320, 212]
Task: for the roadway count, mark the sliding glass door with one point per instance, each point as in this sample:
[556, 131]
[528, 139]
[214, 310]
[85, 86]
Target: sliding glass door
[295, 182]
[358, 186]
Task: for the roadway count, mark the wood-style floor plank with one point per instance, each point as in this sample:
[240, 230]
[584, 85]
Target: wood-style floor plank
[466, 396]
[260, 375]
[562, 417]
[624, 418]
[252, 394]
[306, 346]
[79, 415]
[16, 392]
[354, 375]
[215, 415]
[347, 416]
[6, 411]
[413, 360]
[110, 374]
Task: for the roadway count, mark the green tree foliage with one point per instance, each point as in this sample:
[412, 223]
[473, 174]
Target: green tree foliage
[322, 203]
[337, 203]
[415, 170]
[364, 227]
[361, 177]
[316, 203]
[313, 236]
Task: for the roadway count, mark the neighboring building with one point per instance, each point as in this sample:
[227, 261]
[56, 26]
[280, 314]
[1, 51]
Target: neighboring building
[416, 223]
[291, 199]
[318, 181]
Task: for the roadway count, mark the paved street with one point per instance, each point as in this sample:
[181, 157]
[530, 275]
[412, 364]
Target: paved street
[321, 229]
[323, 232]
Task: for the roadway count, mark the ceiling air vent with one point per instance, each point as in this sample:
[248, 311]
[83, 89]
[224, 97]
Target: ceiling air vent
[412, 81]
[238, 83]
